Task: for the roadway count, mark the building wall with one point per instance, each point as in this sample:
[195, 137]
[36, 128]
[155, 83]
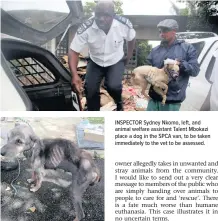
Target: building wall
[147, 33]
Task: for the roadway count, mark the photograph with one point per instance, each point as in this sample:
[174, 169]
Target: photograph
[52, 168]
[102, 55]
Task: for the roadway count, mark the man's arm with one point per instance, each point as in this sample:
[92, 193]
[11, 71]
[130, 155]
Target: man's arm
[73, 59]
[78, 43]
[130, 36]
[191, 66]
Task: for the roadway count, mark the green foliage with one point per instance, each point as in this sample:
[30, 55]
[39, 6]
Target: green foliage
[207, 8]
[202, 15]
[143, 51]
[96, 120]
[118, 7]
[184, 11]
[204, 12]
[89, 8]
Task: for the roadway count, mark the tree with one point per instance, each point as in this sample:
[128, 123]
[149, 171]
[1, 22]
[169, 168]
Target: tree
[89, 8]
[189, 10]
[203, 15]
[118, 7]
[143, 51]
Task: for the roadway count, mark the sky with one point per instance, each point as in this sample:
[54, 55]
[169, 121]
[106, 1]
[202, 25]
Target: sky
[147, 7]
[130, 7]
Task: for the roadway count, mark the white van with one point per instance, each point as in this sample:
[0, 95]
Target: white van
[199, 86]
[195, 35]
[32, 78]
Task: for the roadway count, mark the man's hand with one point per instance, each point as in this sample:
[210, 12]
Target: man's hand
[178, 62]
[77, 83]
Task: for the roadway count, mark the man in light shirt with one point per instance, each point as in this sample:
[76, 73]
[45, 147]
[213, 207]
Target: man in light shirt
[104, 34]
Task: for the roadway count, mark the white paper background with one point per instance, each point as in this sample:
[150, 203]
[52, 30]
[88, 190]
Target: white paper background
[145, 153]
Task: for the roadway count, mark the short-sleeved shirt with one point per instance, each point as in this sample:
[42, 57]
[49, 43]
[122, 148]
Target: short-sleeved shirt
[214, 89]
[104, 49]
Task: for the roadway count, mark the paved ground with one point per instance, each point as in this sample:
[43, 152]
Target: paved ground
[49, 127]
[52, 201]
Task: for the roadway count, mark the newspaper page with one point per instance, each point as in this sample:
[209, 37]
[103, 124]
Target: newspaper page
[162, 167]
[109, 110]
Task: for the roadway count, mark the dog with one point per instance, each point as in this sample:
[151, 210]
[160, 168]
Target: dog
[53, 154]
[146, 75]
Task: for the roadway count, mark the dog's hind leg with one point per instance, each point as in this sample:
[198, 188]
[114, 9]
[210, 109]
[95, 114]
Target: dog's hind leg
[144, 86]
[78, 187]
[83, 174]
[148, 87]
[161, 92]
[162, 86]
[77, 194]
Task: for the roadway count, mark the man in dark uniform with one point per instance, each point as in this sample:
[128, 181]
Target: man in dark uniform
[186, 57]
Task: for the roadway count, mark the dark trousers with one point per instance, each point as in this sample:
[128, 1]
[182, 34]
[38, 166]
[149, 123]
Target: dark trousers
[113, 82]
